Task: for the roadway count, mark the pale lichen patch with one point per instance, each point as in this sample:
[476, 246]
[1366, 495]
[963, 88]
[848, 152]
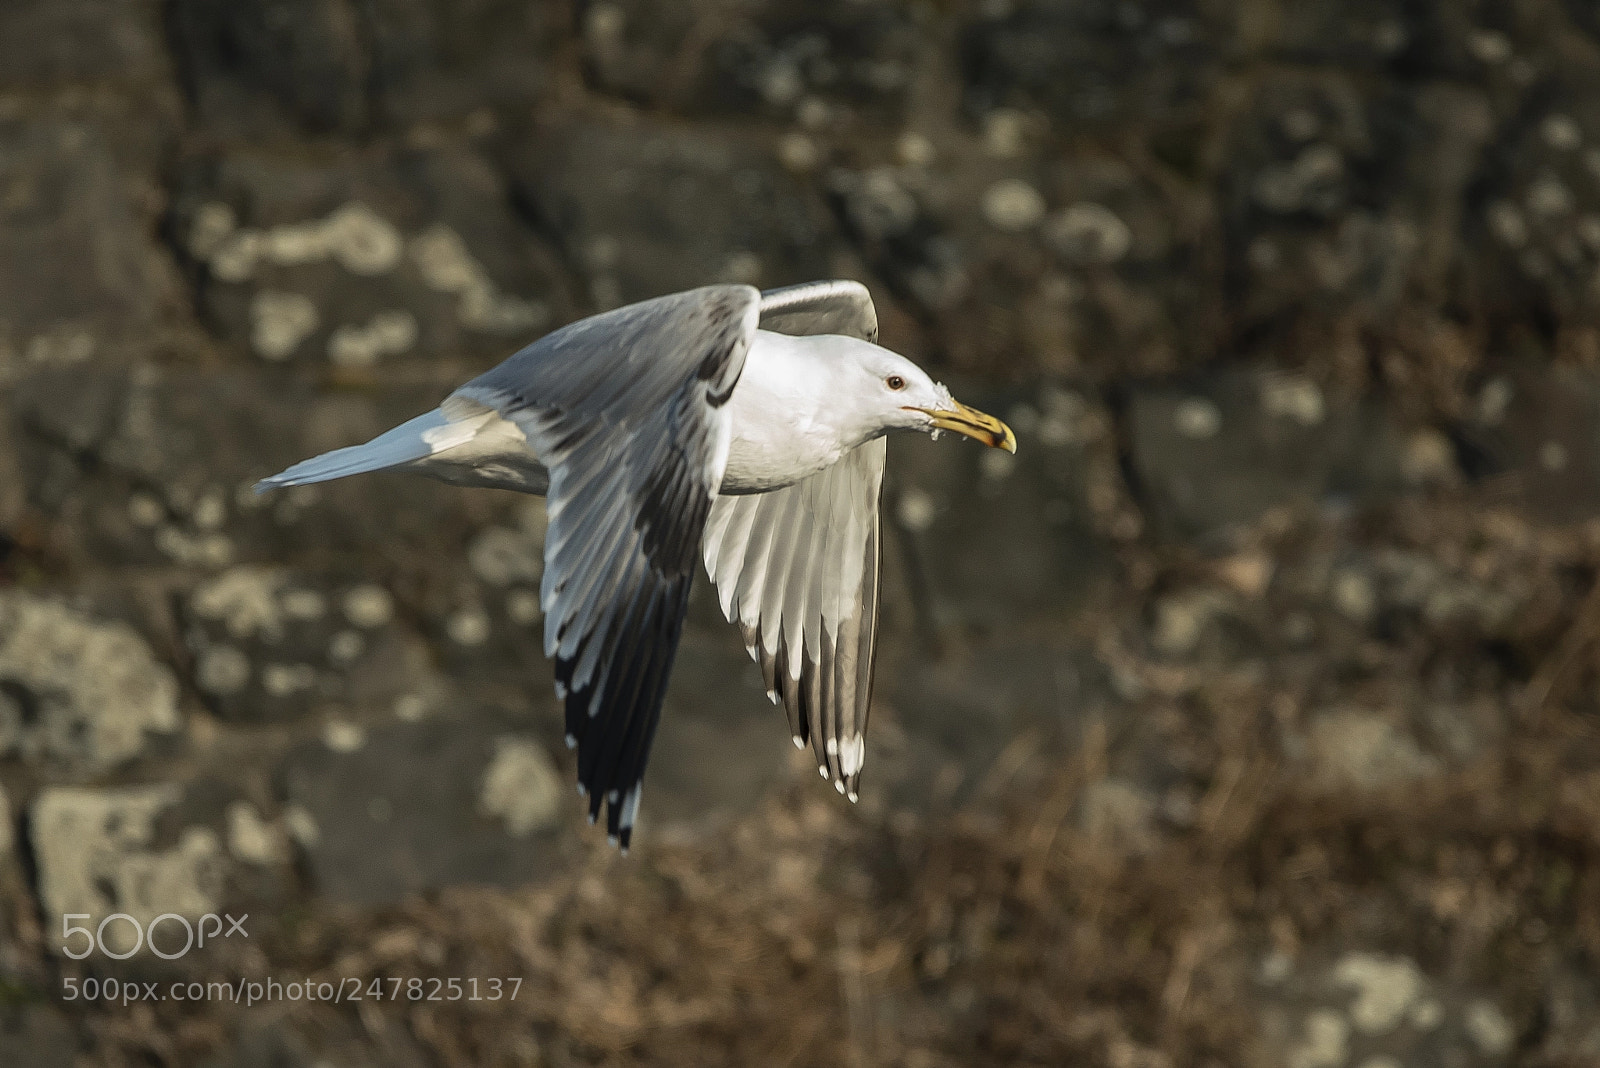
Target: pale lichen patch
[98, 687]
[445, 263]
[520, 786]
[279, 322]
[93, 853]
[389, 333]
[253, 839]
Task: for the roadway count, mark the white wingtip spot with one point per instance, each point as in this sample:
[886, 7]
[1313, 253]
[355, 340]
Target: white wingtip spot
[772, 695]
[614, 796]
[612, 840]
[755, 655]
[561, 691]
[591, 819]
[572, 741]
[822, 770]
[852, 753]
[583, 791]
[853, 796]
[839, 785]
[799, 742]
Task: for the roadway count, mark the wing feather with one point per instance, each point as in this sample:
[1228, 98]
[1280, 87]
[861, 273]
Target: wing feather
[626, 409]
[802, 585]
[797, 569]
[839, 306]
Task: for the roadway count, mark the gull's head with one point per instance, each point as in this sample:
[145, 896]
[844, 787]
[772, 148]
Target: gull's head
[896, 394]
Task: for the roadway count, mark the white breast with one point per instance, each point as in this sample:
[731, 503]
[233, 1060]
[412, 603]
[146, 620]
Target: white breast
[781, 414]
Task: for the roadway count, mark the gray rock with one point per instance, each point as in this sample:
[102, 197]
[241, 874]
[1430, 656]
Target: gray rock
[68, 205]
[1541, 427]
[491, 627]
[1353, 35]
[157, 469]
[416, 806]
[305, 54]
[721, 747]
[1225, 451]
[501, 556]
[773, 57]
[54, 41]
[1088, 233]
[961, 495]
[648, 208]
[273, 645]
[1388, 585]
[959, 710]
[1094, 65]
[77, 692]
[266, 1041]
[636, 50]
[320, 65]
[39, 1036]
[1338, 189]
[102, 439]
[436, 59]
[366, 265]
[904, 238]
[1534, 238]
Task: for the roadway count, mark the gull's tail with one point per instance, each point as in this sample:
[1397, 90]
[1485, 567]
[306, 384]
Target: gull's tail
[405, 444]
[461, 441]
[414, 440]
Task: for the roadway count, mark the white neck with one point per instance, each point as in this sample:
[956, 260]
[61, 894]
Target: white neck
[786, 413]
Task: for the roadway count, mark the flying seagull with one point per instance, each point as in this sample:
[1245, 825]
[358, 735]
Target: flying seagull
[744, 427]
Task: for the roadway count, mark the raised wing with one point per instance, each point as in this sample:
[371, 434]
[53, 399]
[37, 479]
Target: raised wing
[627, 411]
[797, 570]
[836, 307]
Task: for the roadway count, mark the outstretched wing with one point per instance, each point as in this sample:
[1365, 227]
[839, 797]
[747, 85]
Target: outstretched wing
[797, 570]
[627, 411]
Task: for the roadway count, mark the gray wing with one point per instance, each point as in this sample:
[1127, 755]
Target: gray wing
[797, 568]
[836, 307]
[627, 410]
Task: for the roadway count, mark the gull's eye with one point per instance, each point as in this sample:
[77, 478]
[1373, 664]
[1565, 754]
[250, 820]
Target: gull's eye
[895, 382]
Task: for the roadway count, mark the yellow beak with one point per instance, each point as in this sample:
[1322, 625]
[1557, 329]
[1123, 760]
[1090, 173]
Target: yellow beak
[974, 424]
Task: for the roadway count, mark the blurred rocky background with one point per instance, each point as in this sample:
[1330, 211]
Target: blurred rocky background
[1249, 717]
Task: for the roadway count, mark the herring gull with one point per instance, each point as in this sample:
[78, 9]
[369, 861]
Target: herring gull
[740, 426]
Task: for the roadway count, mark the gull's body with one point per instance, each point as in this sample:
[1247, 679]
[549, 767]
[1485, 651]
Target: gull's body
[744, 427]
[782, 426]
